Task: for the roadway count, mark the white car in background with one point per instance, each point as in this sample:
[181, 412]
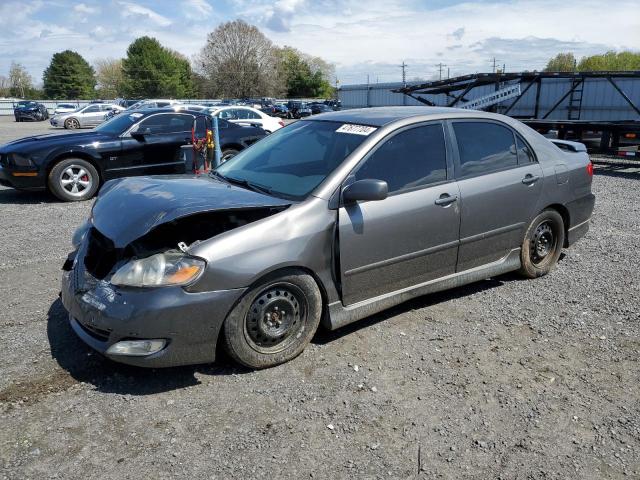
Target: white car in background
[88, 116]
[247, 115]
[65, 108]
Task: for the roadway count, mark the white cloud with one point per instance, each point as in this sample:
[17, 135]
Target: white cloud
[196, 9]
[135, 11]
[84, 8]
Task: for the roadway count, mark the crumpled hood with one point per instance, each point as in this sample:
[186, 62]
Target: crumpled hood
[128, 208]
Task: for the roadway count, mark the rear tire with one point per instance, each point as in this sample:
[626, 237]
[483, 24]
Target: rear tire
[73, 180]
[274, 321]
[542, 244]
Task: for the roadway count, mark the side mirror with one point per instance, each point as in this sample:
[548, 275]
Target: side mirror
[367, 189]
[138, 136]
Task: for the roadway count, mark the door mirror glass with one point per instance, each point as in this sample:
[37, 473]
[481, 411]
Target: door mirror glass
[367, 189]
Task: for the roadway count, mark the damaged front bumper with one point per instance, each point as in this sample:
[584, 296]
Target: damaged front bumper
[103, 315]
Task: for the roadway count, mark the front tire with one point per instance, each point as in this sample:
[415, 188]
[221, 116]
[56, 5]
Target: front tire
[71, 123]
[73, 180]
[274, 321]
[542, 244]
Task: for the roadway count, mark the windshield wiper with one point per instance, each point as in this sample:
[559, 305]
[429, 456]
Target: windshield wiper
[256, 187]
[219, 175]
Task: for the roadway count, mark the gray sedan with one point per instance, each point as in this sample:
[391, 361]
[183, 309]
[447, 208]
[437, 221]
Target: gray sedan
[328, 220]
[88, 116]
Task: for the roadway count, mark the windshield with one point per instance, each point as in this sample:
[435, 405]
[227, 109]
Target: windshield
[294, 160]
[119, 123]
[27, 104]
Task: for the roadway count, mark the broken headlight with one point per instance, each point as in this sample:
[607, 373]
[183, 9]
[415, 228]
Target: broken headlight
[79, 234]
[158, 270]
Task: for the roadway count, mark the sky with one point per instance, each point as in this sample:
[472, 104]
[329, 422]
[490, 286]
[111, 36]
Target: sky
[362, 39]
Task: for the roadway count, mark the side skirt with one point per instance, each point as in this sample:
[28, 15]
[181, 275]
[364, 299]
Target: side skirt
[339, 315]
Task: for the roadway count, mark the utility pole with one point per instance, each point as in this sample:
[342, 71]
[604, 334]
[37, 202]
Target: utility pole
[448, 73]
[495, 60]
[404, 73]
[440, 65]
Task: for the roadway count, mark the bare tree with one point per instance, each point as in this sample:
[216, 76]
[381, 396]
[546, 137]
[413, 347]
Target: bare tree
[110, 77]
[239, 61]
[4, 86]
[20, 81]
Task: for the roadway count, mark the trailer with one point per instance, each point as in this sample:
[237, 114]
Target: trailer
[601, 109]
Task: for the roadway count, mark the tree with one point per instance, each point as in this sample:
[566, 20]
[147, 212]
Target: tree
[239, 61]
[151, 70]
[610, 62]
[4, 86]
[110, 77]
[562, 62]
[69, 76]
[304, 75]
[20, 82]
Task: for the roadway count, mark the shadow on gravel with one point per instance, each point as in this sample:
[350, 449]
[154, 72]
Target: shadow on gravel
[10, 196]
[85, 365]
[628, 171]
[326, 336]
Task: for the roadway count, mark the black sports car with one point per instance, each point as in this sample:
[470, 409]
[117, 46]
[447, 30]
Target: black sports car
[30, 111]
[145, 142]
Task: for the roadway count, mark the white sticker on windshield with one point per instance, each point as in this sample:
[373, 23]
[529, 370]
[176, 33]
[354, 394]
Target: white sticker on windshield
[356, 129]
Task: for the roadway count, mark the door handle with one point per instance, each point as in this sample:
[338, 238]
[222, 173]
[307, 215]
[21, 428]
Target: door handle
[529, 179]
[446, 199]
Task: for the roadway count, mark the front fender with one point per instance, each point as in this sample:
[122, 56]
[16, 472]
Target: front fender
[300, 236]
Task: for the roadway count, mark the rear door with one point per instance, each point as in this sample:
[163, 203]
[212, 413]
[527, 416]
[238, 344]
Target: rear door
[410, 237]
[500, 185]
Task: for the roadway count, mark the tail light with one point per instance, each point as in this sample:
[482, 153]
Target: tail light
[590, 169]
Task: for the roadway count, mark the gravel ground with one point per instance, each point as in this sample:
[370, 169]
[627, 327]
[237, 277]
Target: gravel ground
[505, 378]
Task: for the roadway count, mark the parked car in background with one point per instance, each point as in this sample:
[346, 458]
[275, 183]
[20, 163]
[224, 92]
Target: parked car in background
[86, 117]
[331, 219]
[304, 110]
[247, 115]
[30, 111]
[317, 108]
[65, 108]
[143, 142]
[279, 110]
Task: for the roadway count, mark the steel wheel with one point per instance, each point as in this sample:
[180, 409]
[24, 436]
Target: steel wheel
[72, 123]
[275, 318]
[543, 243]
[76, 180]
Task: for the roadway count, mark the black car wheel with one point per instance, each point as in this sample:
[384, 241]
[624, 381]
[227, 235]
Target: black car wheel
[71, 123]
[73, 180]
[274, 321]
[228, 153]
[542, 244]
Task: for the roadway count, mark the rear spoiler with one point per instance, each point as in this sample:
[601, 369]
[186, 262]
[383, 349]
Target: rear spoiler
[569, 146]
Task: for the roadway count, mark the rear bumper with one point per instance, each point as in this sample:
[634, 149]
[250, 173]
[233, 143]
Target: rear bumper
[580, 212]
[101, 315]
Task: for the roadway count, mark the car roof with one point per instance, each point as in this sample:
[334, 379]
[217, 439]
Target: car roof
[149, 111]
[379, 116]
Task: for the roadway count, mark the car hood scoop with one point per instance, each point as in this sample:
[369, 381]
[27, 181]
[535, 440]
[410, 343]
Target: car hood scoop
[128, 208]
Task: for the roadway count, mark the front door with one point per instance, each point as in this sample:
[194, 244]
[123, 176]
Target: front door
[410, 237]
[157, 151]
[500, 184]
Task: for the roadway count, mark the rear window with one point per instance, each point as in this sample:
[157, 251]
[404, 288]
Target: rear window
[484, 148]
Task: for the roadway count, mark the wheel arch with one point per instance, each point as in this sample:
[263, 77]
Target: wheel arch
[80, 155]
[566, 218]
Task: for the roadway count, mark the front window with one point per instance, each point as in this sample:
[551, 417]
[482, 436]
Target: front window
[294, 160]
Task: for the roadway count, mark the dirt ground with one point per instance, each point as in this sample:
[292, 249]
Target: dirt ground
[505, 378]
